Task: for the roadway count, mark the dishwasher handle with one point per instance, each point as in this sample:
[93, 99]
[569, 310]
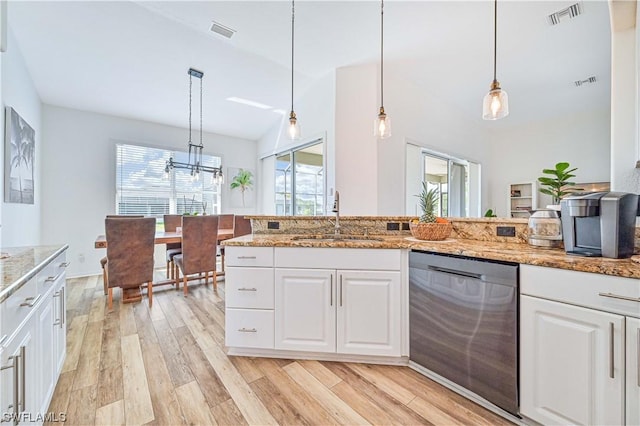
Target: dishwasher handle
[456, 272]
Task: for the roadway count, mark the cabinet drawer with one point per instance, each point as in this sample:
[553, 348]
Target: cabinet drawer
[338, 258]
[249, 256]
[249, 287]
[582, 289]
[12, 313]
[51, 273]
[249, 328]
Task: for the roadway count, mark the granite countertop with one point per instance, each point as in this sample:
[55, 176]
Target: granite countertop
[510, 252]
[23, 263]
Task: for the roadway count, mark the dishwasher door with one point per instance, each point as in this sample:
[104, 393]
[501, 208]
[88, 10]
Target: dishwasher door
[464, 323]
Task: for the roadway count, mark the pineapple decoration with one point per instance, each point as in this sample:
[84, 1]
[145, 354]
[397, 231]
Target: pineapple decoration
[429, 226]
[428, 200]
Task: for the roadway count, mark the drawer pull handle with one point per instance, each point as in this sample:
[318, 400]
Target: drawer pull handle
[331, 292]
[247, 330]
[611, 353]
[30, 301]
[65, 264]
[638, 353]
[246, 257]
[616, 296]
[52, 279]
[248, 289]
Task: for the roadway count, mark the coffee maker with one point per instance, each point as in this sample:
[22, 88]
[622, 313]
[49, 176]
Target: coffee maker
[600, 223]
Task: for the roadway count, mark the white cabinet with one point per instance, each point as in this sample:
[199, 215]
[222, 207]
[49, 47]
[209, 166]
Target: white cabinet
[572, 364]
[632, 388]
[579, 344]
[249, 290]
[305, 310]
[523, 197]
[338, 300]
[368, 317]
[316, 300]
[32, 356]
[19, 376]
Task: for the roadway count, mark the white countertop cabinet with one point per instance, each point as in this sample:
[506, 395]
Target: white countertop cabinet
[33, 348]
[325, 301]
[578, 347]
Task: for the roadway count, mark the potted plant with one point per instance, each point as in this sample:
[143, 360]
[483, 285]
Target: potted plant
[429, 226]
[558, 183]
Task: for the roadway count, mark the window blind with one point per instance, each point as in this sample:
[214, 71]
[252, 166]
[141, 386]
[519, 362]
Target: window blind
[142, 186]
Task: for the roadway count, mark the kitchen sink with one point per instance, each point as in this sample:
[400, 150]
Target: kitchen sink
[335, 238]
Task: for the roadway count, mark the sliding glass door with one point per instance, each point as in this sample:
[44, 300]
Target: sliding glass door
[451, 178]
[299, 181]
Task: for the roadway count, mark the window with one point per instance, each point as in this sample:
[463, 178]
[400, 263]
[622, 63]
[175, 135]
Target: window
[143, 187]
[299, 181]
[451, 178]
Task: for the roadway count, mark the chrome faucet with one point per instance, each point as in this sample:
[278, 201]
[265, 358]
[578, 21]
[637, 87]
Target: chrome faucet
[336, 210]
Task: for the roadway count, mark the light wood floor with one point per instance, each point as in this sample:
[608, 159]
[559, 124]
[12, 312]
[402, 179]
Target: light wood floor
[167, 365]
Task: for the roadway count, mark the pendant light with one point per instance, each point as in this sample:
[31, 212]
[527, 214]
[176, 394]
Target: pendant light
[382, 123]
[194, 165]
[294, 127]
[496, 103]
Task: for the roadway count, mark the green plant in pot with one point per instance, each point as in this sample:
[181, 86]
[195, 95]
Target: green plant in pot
[557, 184]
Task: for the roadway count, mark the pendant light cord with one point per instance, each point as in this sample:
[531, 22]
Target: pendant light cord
[190, 87]
[293, 14]
[201, 112]
[495, 37]
[382, 53]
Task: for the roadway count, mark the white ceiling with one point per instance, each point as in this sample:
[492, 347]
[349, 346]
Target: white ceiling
[131, 58]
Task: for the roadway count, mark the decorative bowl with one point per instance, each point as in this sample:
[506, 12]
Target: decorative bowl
[430, 231]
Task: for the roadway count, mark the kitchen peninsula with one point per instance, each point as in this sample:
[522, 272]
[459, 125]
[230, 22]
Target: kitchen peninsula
[350, 297]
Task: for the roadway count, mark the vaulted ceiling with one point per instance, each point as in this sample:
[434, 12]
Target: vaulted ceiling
[131, 58]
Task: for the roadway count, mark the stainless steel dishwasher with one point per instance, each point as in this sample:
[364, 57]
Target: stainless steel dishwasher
[464, 323]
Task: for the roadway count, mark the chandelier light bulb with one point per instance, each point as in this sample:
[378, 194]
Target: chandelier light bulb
[382, 125]
[496, 103]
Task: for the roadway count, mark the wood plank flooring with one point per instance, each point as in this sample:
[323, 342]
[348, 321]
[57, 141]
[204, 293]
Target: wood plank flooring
[168, 366]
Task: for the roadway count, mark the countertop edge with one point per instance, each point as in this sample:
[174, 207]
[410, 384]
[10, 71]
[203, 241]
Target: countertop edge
[624, 268]
[15, 286]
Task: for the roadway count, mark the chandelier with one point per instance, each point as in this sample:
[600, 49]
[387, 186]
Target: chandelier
[194, 164]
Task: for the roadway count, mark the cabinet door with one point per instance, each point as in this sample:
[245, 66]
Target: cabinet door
[633, 371]
[20, 382]
[571, 364]
[369, 313]
[46, 342]
[305, 311]
[60, 325]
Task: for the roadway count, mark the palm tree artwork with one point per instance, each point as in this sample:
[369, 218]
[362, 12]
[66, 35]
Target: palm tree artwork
[242, 181]
[19, 177]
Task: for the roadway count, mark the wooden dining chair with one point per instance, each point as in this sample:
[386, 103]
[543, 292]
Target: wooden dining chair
[171, 222]
[225, 221]
[241, 226]
[103, 261]
[199, 240]
[130, 247]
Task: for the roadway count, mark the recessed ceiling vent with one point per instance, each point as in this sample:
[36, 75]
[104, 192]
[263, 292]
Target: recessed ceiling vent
[218, 28]
[589, 80]
[565, 14]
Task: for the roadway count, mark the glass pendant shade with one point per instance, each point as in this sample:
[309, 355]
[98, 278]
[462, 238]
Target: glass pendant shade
[495, 104]
[294, 128]
[382, 125]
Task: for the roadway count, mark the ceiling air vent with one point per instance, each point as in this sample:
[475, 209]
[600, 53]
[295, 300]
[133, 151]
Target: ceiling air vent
[222, 30]
[589, 80]
[565, 14]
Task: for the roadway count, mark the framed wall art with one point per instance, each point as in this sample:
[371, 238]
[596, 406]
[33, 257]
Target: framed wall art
[19, 164]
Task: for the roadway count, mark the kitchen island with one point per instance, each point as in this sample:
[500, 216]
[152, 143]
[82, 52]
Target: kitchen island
[311, 296]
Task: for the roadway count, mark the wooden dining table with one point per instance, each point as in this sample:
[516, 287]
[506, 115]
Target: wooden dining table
[162, 237]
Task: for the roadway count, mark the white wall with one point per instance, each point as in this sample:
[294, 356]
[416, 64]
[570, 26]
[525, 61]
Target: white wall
[21, 223]
[624, 114]
[520, 153]
[425, 120]
[79, 173]
[315, 110]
